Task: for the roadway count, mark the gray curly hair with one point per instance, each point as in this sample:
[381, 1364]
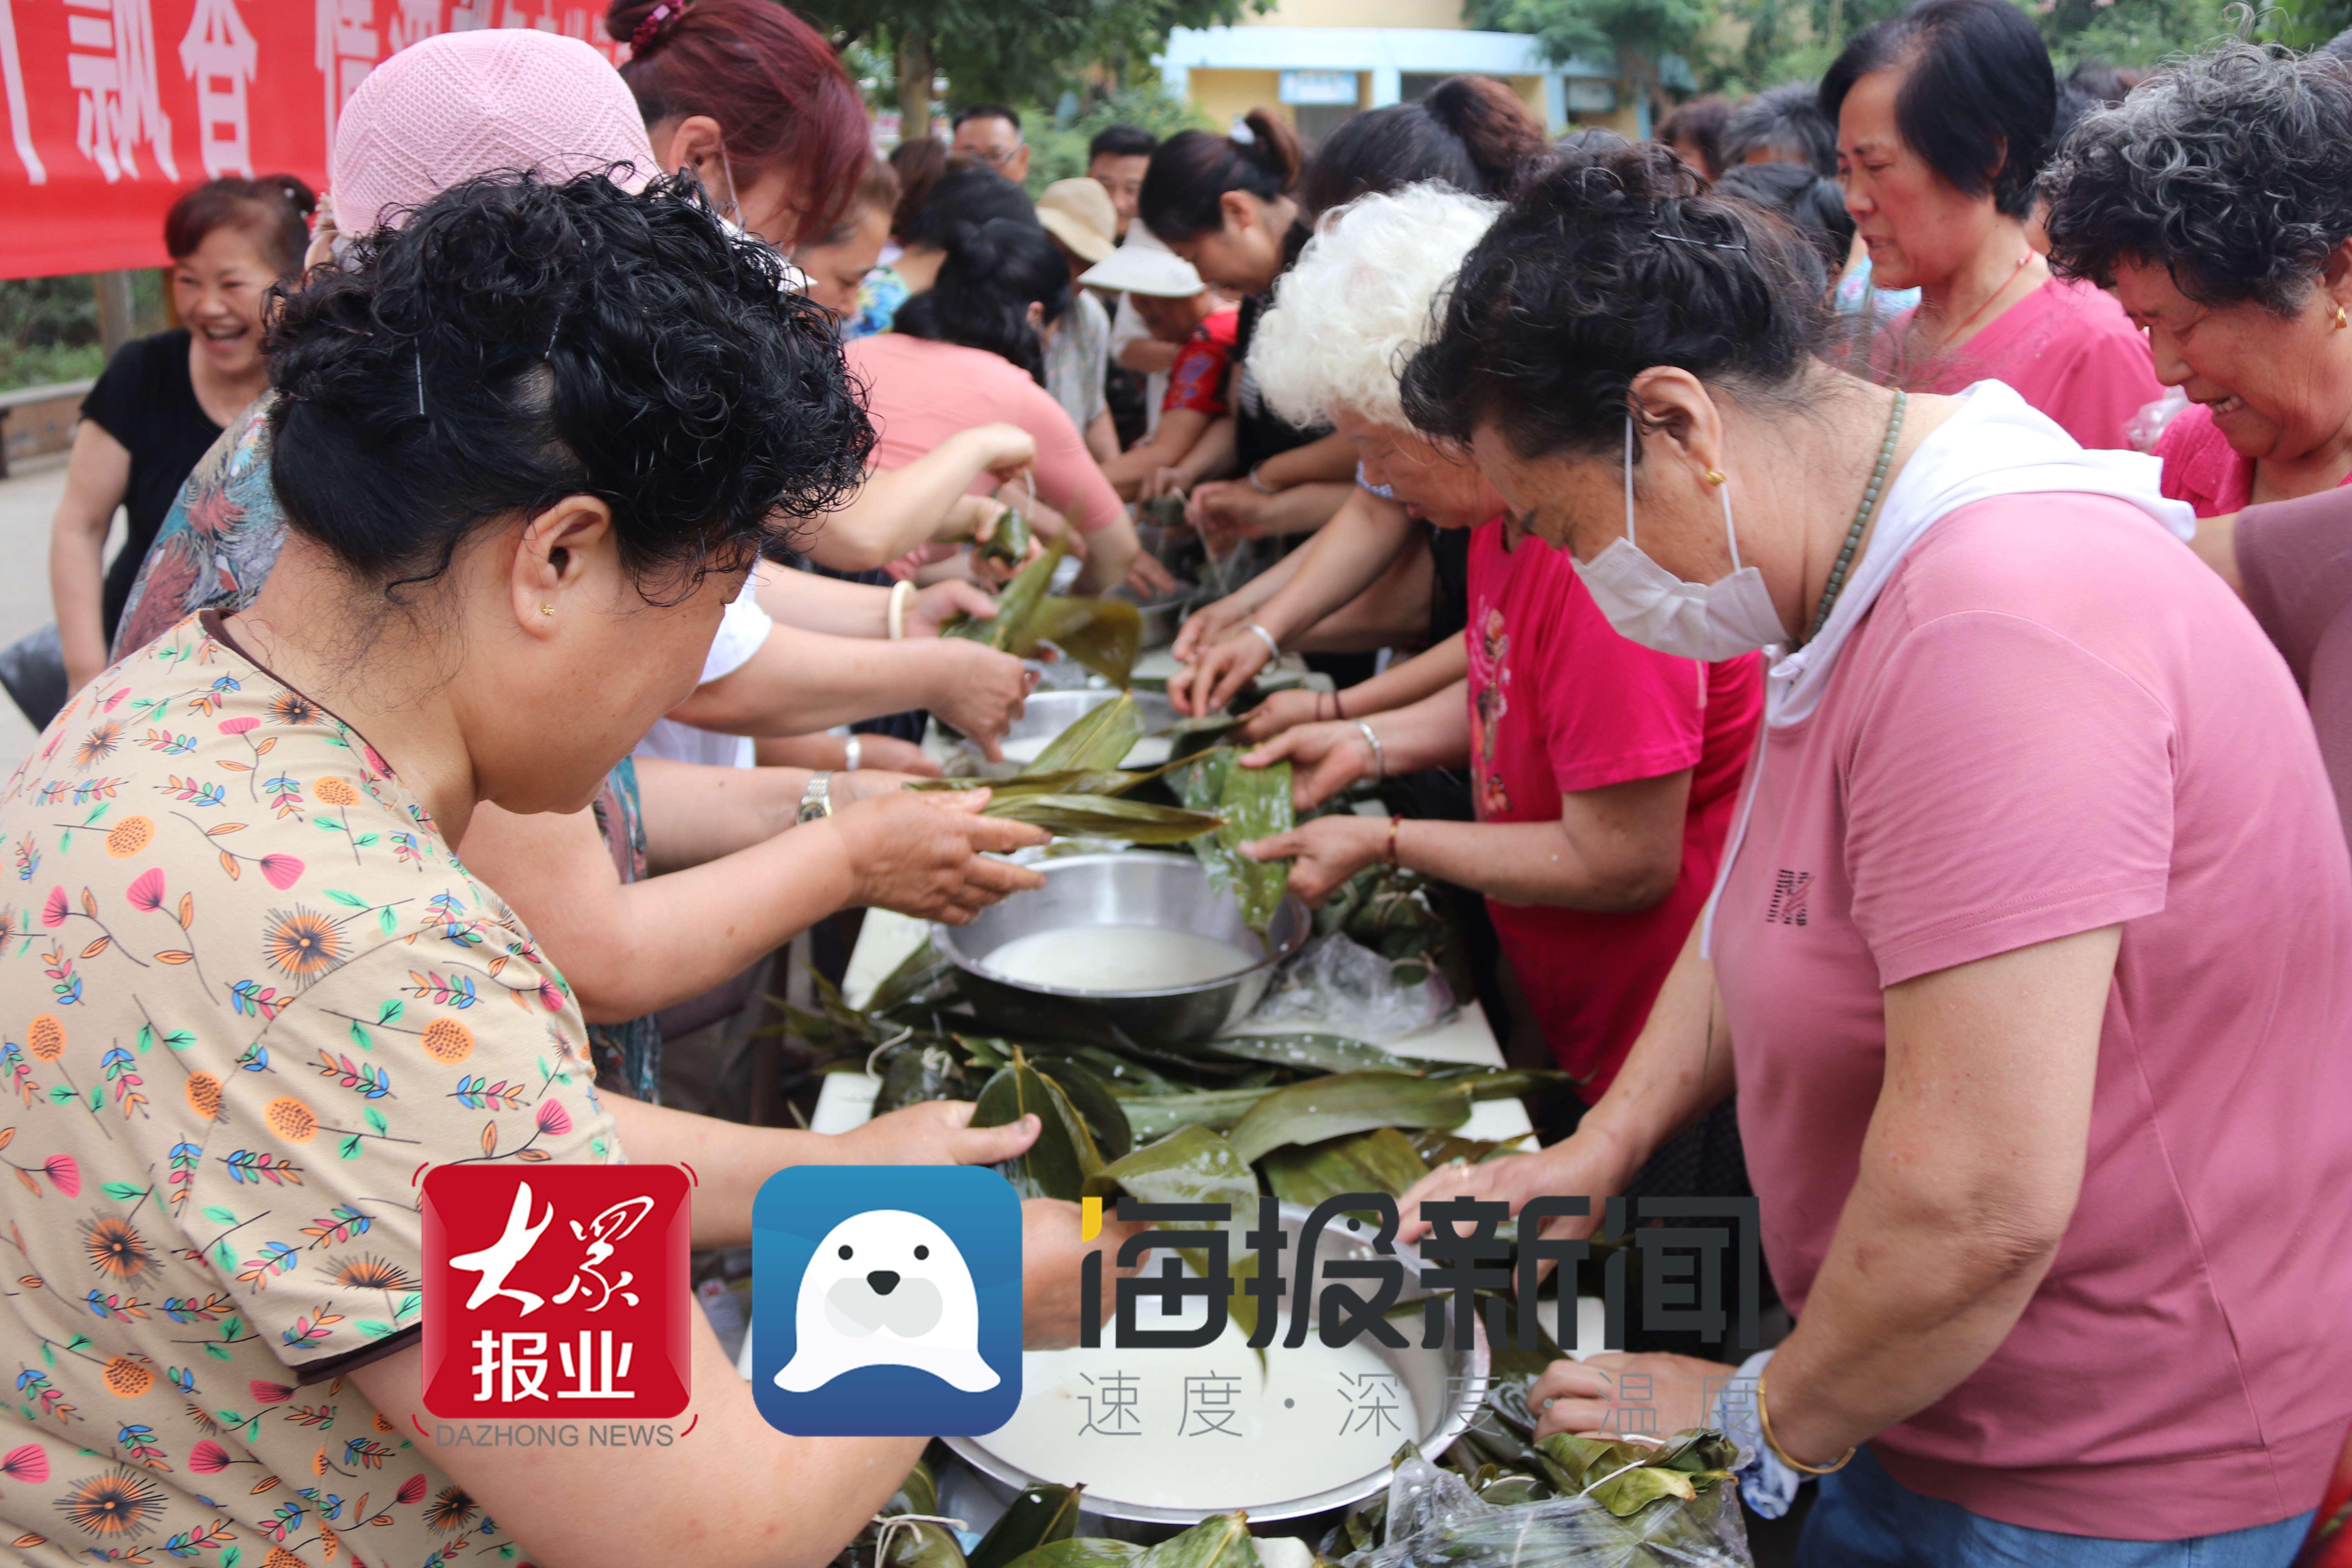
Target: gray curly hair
[2232, 170]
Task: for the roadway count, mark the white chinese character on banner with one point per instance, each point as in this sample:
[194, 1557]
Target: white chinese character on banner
[347, 47]
[515, 1364]
[586, 1382]
[416, 20]
[110, 65]
[218, 55]
[12, 83]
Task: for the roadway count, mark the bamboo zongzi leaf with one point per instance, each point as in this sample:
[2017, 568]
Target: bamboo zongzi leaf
[1221, 1541]
[1324, 1108]
[1095, 742]
[1104, 635]
[1008, 542]
[1378, 1161]
[1039, 1515]
[1191, 1166]
[1058, 1164]
[1254, 802]
[1094, 1102]
[1323, 1053]
[1102, 816]
[1161, 1115]
[1081, 1551]
[1014, 607]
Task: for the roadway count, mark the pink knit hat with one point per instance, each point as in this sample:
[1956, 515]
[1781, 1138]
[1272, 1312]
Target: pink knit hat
[460, 104]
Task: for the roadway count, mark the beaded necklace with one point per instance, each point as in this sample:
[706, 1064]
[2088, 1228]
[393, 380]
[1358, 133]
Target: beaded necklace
[1836, 583]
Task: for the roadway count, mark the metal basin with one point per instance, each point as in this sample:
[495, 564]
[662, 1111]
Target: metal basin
[1448, 1386]
[1140, 889]
[1048, 713]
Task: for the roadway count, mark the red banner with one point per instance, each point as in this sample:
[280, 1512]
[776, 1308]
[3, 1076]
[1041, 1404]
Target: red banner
[114, 107]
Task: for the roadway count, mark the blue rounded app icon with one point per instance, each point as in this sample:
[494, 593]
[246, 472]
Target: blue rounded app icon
[886, 1300]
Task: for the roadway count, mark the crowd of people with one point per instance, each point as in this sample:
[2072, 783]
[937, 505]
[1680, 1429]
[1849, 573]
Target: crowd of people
[1844, 598]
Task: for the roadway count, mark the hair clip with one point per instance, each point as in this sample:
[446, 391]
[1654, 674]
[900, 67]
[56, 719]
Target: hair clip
[650, 30]
[1242, 133]
[1703, 244]
[420, 382]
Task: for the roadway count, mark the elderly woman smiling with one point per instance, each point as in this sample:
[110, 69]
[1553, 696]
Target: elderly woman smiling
[2217, 203]
[2050, 1172]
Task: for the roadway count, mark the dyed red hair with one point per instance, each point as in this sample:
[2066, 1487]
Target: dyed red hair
[773, 85]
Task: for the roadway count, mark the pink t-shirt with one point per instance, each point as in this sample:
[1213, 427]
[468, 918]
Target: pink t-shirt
[1559, 703]
[2066, 348]
[2055, 718]
[2203, 468]
[920, 393]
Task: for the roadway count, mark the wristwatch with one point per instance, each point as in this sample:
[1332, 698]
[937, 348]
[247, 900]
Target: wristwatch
[817, 799]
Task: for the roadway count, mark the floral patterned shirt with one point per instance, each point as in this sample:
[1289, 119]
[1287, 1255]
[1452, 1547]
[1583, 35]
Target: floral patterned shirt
[249, 991]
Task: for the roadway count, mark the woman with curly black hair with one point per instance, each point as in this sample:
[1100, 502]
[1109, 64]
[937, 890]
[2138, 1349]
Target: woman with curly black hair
[1944, 118]
[2048, 1171]
[2216, 200]
[528, 445]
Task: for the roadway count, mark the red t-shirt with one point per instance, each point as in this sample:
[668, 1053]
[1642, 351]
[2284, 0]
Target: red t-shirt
[1560, 703]
[1197, 379]
[2053, 719]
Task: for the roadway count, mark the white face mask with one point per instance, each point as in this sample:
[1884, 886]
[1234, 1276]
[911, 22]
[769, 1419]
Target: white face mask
[1652, 606]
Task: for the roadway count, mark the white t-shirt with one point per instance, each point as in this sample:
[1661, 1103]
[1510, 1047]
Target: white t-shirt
[1126, 327]
[741, 631]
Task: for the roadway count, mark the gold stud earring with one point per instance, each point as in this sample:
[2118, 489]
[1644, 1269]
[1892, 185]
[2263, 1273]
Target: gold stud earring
[1714, 476]
[547, 609]
[2340, 323]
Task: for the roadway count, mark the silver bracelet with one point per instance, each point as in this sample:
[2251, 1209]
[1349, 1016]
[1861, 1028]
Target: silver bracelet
[1379, 756]
[1260, 486]
[816, 799]
[853, 752]
[1273, 648]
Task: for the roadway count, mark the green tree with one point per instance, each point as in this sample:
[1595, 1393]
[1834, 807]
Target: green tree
[1639, 33]
[1009, 51]
[1057, 151]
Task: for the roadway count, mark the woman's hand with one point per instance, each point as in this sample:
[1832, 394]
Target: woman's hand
[1206, 625]
[1227, 512]
[1587, 1164]
[928, 854]
[1051, 1257]
[1324, 759]
[929, 609]
[935, 1132]
[848, 788]
[1580, 1396]
[984, 691]
[1283, 711]
[1148, 579]
[1003, 451]
[1166, 480]
[1209, 681]
[1327, 851]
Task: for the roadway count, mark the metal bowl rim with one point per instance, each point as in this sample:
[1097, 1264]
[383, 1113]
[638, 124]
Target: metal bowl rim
[1472, 1393]
[943, 943]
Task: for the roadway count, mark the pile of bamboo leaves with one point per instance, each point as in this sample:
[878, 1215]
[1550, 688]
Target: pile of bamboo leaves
[1076, 788]
[1038, 1531]
[1104, 635]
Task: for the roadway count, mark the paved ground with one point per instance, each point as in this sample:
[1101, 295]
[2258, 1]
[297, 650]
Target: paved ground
[28, 499]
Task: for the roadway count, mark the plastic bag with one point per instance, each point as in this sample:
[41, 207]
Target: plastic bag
[2144, 428]
[1340, 987]
[1436, 1521]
